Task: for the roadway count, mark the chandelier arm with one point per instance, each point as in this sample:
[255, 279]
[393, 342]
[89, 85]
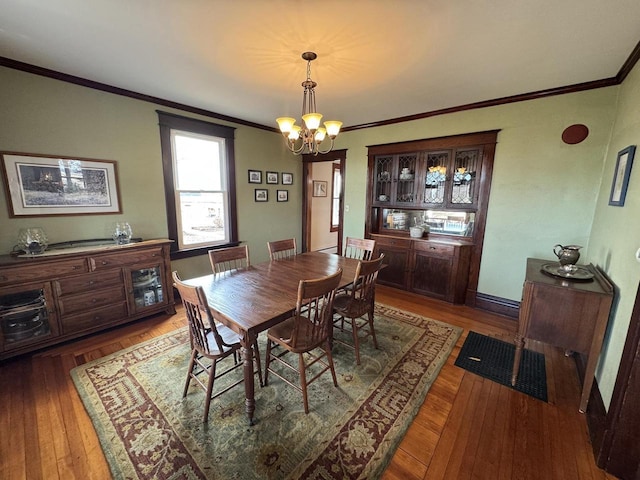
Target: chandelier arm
[325, 151]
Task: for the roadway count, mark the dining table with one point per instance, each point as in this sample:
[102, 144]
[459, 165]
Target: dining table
[254, 299]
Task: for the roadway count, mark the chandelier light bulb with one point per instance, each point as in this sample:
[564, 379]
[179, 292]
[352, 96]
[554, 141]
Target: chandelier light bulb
[333, 128]
[312, 120]
[321, 133]
[285, 124]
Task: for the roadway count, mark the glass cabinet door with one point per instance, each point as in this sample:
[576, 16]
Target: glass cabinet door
[435, 177]
[465, 171]
[148, 288]
[406, 180]
[383, 170]
[25, 317]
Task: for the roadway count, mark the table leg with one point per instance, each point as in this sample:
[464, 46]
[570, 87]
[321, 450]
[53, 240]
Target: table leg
[519, 342]
[249, 393]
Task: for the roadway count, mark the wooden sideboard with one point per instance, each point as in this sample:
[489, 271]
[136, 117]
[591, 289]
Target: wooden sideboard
[437, 268]
[569, 314]
[50, 298]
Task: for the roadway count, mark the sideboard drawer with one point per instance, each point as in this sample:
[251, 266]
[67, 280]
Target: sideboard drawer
[102, 262]
[435, 248]
[84, 301]
[84, 283]
[94, 319]
[26, 273]
[392, 241]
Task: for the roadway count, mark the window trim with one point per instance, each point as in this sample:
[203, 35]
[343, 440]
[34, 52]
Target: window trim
[168, 122]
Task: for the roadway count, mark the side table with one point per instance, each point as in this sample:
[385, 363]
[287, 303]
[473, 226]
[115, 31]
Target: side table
[569, 314]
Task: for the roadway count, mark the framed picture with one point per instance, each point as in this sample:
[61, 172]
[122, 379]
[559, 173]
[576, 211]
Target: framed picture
[255, 176]
[272, 177]
[319, 188]
[261, 195]
[287, 178]
[621, 176]
[283, 195]
[47, 185]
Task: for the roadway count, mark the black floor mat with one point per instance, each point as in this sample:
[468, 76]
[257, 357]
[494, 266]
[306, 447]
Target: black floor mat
[493, 359]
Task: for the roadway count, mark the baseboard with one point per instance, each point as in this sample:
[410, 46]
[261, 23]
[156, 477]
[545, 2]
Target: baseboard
[497, 305]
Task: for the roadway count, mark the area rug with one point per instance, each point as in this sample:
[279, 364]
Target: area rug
[148, 431]
[493, 359]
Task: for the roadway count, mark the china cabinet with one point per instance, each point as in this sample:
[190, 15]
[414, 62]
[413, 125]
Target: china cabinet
[441, 185]
[46, 299]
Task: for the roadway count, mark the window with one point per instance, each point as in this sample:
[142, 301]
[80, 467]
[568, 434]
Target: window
[335, 198]
[199, 172]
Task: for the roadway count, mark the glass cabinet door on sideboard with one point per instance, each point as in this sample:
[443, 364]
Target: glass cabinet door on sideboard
[147, 287]
[27, 315]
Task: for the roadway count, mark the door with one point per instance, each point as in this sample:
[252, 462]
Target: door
[337, 156]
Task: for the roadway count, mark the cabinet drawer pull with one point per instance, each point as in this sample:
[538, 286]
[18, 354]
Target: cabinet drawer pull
[97, 317]
[104, 262]
[154, 254]
[432, 248]
[91, 282]
[94, 300]
[75, 267]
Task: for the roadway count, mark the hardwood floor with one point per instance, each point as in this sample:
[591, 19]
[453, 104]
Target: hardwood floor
[468, 427]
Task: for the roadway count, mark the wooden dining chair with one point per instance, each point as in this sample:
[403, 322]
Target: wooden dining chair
[230, 259]
[360, 248]
[281, 249]
[210, 343]
[356, 303]
[306, 332]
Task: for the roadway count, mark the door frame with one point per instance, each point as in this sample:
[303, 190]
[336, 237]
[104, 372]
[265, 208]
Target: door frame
[307, 192]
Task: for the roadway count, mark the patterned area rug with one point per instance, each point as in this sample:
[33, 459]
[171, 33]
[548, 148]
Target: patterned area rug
[147, 430]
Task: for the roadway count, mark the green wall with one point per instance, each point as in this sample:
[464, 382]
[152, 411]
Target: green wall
[615, 237]
[543, 191]
[41, 115]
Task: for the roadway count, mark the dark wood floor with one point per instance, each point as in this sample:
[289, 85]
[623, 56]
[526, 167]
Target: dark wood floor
[468, 427]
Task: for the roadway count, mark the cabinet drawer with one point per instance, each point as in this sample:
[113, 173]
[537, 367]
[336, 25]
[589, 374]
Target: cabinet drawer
[101, 262]
[75, 303]
[435, 248]
[84, 283]
[393, 242]
[94, 319]
[27, 273]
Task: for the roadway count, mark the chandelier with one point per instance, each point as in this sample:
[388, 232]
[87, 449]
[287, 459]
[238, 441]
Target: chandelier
[308, 137]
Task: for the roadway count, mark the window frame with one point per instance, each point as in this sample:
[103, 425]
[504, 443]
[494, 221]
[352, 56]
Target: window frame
[167, 123]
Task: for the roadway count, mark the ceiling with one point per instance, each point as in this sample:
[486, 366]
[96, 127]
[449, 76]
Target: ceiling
[377, 59]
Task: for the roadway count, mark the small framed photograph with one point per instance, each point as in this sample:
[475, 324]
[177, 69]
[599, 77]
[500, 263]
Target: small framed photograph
[319, 188]
[261, 195]
[621, 176]
[283, 195]
[255, 176]
[287, 178]
[272, 177]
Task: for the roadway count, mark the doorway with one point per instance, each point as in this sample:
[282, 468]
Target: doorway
[320, 214]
